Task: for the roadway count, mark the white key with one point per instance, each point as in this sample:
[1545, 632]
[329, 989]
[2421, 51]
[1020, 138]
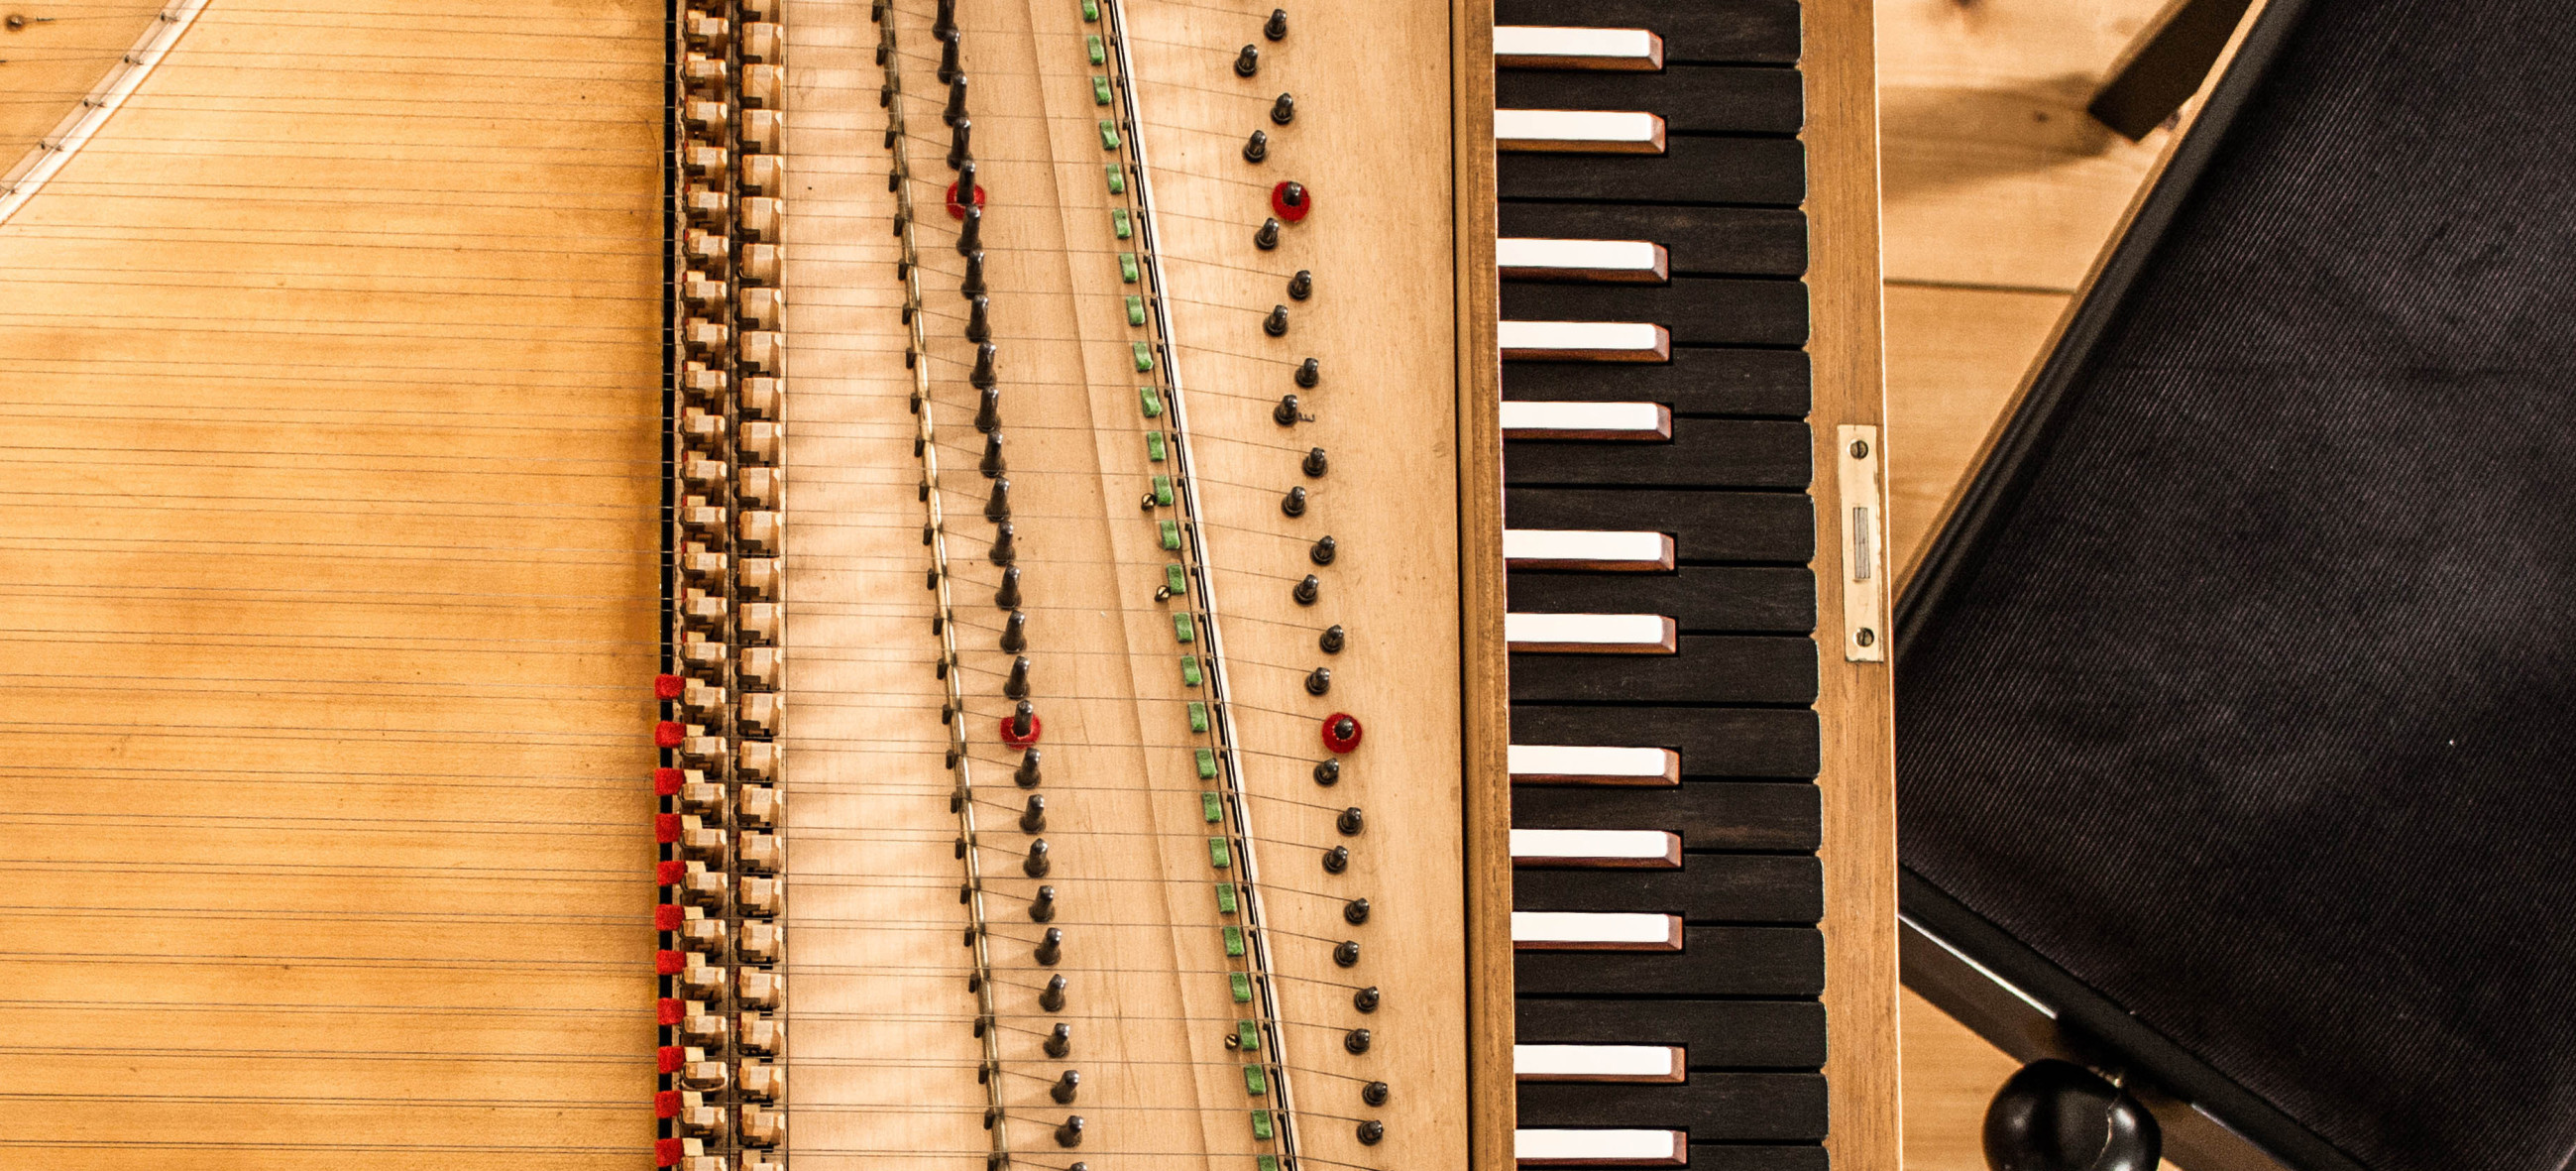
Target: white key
[1646, 422]
[1524, 46]
[1602, 550]
[1601, 1148]
[1627, 132]
[1591, 634]
[1643, 849]
[1530, 258]
[1595, 931]
[1588, 764]
[1598, 1063]
[1586, 341]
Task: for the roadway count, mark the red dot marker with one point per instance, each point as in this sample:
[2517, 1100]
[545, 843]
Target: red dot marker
[1341, 732]
[1290, 201]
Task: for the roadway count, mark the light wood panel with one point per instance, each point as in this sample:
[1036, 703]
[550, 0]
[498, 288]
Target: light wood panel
[333, 495]
[53, 55]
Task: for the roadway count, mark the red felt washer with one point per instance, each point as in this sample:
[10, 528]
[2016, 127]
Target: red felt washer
[666, 917]
[666, 828]
[668, 873]
[670, 963]
[1291, 212]
[1337, 742]
[1037, 728]
[666, 1104]
[666, 782]
[667, 734]
[669, 1010]
[667, 1058]
[667, 687]
[956, 210]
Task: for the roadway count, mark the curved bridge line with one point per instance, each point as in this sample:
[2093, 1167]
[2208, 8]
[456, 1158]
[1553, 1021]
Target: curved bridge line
[76, 129]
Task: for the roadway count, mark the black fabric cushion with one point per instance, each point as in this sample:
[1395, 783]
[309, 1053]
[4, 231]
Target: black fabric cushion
[2258, 713]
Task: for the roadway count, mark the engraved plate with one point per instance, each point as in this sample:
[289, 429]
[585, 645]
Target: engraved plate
[1864, 545]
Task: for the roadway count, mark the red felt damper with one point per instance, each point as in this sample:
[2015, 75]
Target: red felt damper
[666, 1152]
[1292, 212]
[1037, 727]
[670, 963]
[666, 782]
[667, 734]
[956, 210]
[1341, 731]
[667, 1058]
[669, 1010]
[666, 687]
[666, 1104]
[666, 828]
[666, 918]
[668, 873]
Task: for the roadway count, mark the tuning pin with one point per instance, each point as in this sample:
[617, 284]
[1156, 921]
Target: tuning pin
[1319, 681]
[1247, 62]
[1315, 465]
[1015, 633]
[1277, 29]
[1008, 597]
[1276, 325]
[956, 110]
[1017, 686]
[1337, 859]
[1257, 147]
[1372, 1132]
[1304, 591]
[1286, 413]
[948, 64]
[1346, 953]
[1051, 948]
[1365, 999]
[1328, 772]
[997, 507]
[1322, 553]
[1291, 197]
[1374, 1093]
[1283, 111]
[1033, 816]
[1052, 999]
[970, 235]
[988, 413]
[1059, 1039]
[1069, 1134]
[961, 147]
[1332, 639]
[946, 22]
[1308, 374]
[1024, 724]
[1355, 912]
[1268, 237]
[973, 284]
[1005, 550]
[1042, 908]
[1294, 503]
[1301, 286]
[1062, 1090]
[1036, 864]
[979, 321]
[983, 378]
[1357, 1041]
[993, 464]
[1349, 822]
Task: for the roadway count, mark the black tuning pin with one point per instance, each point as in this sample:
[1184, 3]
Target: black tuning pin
[956, 110]
[1316, 465]
[1005, 550]
[1008, 597]
[1052, 999]
[1373, 1093]
[1337, 859]
[1286, 413]
[979, 318]
[1257, 147]
[1332, 639]
[1015, 633]
[944, 23]
[1349, 822]
[1372, 1132]
[1026, 776]
[1328, 772]
[1322, 553]
[1024, 723]
[1062, 1090]
[1277, 29]
[1346, 953]
[1305, 591]
[1247, 62]
[1294, 503]
[948, 63]
[1276, 325]
[1309, 373]
[988, 412]
[1357, 1041]
[1283, 111]
[1017, 685]
[1051, 947]
[1268, 237]
[983, 378]
[1037, 863]
[973, 285]
[965, 197]
[1033, 815]
[1060, 1039]
[1356, 912]
[961, 147]
[997, 507]
[1292, 195]
[993, 464]
[1365, 1000]
[1319, 681]
[1069, 1134]
[1042, 908]
[970, 235]
[1301, 286]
